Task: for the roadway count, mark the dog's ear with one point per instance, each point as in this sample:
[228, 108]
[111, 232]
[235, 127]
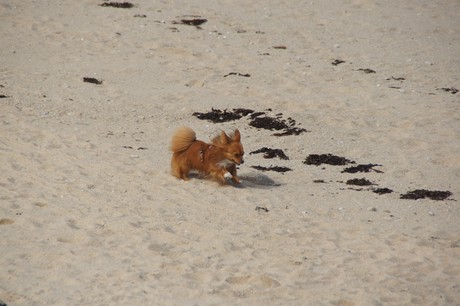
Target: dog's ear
[236, 136]
[224, 139]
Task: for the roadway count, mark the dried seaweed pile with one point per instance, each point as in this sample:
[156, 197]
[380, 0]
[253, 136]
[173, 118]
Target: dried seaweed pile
[333, 160]
[218, 116]
[269, 153]
[328, 159]
[288, 126]
[260, 120]
[422, 194]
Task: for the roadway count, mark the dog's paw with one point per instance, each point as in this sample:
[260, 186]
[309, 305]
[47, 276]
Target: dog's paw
[236, 180]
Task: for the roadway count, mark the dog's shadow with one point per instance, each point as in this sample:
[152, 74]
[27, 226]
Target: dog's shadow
[248, 180]
[256, 180]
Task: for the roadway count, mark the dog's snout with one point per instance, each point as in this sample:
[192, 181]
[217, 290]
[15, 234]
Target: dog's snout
[242, 161]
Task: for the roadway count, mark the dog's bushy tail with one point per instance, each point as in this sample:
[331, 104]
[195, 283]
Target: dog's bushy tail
[182, 139]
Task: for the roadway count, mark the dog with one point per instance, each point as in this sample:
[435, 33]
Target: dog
[213, 159]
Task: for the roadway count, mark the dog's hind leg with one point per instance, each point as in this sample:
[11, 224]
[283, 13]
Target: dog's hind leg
[179, 171]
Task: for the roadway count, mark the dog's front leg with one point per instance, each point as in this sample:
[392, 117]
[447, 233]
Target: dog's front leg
[232, 171]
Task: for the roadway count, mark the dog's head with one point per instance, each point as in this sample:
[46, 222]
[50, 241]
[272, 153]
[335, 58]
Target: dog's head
[232, 146]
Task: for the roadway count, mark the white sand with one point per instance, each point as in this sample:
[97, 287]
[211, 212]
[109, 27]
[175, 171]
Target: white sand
[84, 220]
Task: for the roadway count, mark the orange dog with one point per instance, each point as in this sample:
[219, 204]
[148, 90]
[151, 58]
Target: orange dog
[215, 159]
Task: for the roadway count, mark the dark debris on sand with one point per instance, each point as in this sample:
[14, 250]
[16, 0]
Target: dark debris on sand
[268, 123]
[452, 90]
[319, 181]
[329, 159]
[337, 62]
[118, 4]
[92, 80]
[260, 119]
[262, 209]
[362, 168]
[257, 120]
[396, 79]
[382, 190]
[272, 168]
[271, 153]
[422, 193]
[276, 123]
[218, 116]
[246, 75]
[366, 70]
[195, 21]
[359, 182]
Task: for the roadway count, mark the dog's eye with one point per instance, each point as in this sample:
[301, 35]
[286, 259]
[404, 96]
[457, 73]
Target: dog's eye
[237, 155]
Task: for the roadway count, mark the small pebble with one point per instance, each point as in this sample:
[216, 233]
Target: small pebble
[372, 209]
[431, 213]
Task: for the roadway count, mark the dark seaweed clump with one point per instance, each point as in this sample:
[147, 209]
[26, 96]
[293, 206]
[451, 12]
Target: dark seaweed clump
[319, 181]
[366, 70]
[271, 153]
[217, 115]
[359, 182]
[118, 4]
[382, 190]
[362, 168]
[246, 75]
[396, 79]
[337, 62]
[261, 209]
[329, 159]
[422, 193]
[92, 80]
[452, 90]
[272, 168]
[196, 22]
[276, 123]
[268, 123]
[257, 120]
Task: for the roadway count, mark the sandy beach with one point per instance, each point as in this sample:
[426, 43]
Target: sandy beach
[358, 204]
